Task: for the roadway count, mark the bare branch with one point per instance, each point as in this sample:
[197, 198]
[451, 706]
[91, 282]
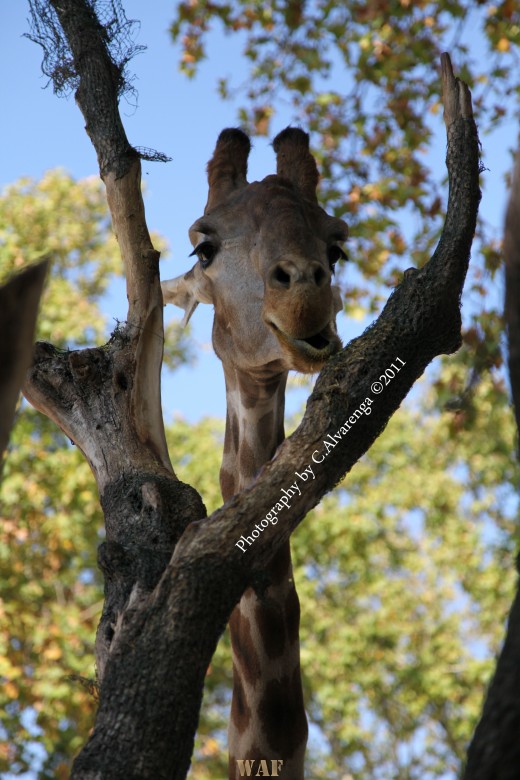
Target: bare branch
[100, 80]
[19, 300]
[455, 94]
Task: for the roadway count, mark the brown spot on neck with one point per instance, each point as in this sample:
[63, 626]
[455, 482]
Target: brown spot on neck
[240, 711]
[247, 664]
[280, 567]
[254, 426]
[227, 484]
[282, 714]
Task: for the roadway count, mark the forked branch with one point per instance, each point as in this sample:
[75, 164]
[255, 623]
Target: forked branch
[164, 647]
[100, 79]
[107, 400]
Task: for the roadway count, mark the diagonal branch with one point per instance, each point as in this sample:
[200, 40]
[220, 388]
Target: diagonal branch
[164, 647]
[19, 299]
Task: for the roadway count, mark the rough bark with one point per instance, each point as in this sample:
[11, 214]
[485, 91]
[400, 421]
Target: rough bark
[512, 296]
[151, 692]
[90, 394]
[19, 299]
[107, 400]
[494, 752]
[158, 633]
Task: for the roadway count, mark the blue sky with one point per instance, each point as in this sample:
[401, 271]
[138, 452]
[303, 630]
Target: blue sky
[181, 118]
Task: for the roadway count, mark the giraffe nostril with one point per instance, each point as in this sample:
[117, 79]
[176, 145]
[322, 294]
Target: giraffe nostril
[280, 277]
[320, 276]
[287, 273]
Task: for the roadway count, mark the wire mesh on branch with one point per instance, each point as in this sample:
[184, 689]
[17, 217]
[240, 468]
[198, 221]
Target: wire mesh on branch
[117, 33]
[151, 155]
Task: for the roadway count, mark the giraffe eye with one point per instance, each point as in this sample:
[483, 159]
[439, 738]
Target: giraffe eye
[335, 253]
[205, 251]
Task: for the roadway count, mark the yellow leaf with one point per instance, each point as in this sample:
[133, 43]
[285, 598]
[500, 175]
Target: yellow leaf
[211, 747]
[503, 44]
[52, 652]
[11, 689]
[6, 752]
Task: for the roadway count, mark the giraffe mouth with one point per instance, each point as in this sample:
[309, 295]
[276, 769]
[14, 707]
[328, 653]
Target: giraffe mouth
[316, 348]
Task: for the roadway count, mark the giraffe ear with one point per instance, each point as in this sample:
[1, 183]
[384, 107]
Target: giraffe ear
[187, 291]
[294, 161]
[337, 301]
[227, 169]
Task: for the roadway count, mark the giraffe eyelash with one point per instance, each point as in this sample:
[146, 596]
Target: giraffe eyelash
[335, 253]
[206, 252]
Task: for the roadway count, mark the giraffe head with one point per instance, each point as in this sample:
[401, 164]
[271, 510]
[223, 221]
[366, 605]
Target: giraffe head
[266, 252]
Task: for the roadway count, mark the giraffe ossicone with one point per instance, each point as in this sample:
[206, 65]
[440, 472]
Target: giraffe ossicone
[266, 252]
[265, 256]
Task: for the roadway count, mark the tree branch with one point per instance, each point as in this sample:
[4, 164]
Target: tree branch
[19, 299]
[107, 400]
[164, 647]
[494, 752]
[512, 296]
[100, 80]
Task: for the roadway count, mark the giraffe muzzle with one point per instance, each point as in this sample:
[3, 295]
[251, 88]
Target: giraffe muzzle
[310, 353]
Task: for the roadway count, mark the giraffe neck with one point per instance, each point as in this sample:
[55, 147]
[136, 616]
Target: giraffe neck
[254, 427]
[268, 718]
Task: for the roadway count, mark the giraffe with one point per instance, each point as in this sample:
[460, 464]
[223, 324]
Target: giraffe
[265, 257]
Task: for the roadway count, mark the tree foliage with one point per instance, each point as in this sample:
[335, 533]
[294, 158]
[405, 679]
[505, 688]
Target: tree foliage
[67, 221]
[51, 516]
[362, 77]
[401, 598]
[52, 523]
[405, 574]
[403, 604]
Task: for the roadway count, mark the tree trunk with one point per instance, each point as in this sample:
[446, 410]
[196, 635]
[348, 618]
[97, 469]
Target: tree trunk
[108, 400]
[494, 752]
[157, 637]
